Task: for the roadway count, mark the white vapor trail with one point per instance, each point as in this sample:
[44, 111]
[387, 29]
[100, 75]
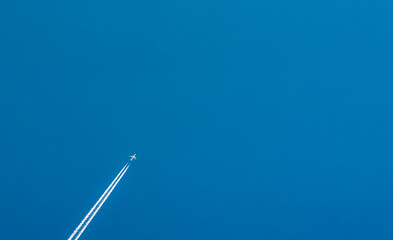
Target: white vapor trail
[102, 202]
[99, 200]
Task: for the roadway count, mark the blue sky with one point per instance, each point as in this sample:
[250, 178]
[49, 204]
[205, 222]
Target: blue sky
[250, 119]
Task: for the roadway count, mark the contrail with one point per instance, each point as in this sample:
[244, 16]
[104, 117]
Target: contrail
[102, 202]
[99, 200]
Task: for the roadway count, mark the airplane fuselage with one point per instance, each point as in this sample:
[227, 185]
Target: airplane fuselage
[132, 157]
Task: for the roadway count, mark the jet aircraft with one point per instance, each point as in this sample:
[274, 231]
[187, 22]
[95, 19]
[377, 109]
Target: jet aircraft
[132, 157]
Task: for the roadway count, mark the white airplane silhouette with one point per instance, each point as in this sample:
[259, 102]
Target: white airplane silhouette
[132, 157]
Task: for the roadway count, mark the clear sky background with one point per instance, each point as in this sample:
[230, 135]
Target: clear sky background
[250, 119]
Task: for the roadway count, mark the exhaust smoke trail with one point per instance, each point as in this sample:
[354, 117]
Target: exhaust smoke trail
[102, 202]
[99, 200]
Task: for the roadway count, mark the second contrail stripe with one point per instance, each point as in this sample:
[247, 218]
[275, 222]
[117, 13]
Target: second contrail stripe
[102, 202]
[99, 200]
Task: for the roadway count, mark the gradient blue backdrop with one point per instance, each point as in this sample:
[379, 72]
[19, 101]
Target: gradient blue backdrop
[250, 119]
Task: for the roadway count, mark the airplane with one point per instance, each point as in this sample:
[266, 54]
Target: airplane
[132, 157]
